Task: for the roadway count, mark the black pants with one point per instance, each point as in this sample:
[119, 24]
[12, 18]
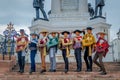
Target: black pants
[65, 59]
[100, 63]
[78, 58]
[21, 61]
[88, 59]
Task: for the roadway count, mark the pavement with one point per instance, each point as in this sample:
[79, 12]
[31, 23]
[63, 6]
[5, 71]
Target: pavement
[113, 70]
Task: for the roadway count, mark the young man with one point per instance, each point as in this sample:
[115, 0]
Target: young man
[65, 44]
[88, 43]
[33, 51]
[43, 49]
[21, 43]
[52, 49]
[77, 46]
[101, 50]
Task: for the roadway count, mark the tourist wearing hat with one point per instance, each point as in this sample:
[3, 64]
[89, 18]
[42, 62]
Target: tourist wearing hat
[101, 50]
[77, 46]
[65, 43]
[43, 49]
[88, 43]
[52, 45]
[33, 51]
[21, 45]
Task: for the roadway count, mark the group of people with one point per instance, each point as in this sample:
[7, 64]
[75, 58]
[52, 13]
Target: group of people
[51, 42]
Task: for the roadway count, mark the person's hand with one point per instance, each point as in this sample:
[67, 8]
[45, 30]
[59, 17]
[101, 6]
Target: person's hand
[59, 32]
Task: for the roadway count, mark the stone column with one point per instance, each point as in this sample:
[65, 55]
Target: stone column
[55, 6]
[83, 6]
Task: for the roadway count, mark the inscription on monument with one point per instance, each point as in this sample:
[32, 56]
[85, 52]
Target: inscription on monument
[69, 4]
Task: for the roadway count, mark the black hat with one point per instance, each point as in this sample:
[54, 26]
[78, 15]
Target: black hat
[89, 28]
[65, 32]
[77, 31]
[22, 30]
[33, 34]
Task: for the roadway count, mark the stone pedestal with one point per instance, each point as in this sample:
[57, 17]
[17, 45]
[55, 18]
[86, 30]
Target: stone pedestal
[6, 64]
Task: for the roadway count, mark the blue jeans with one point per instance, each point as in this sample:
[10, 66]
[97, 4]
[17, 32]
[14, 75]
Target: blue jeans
[77, 53]
[32, 58]
[52, 53]
[65, 59]
[21, 61]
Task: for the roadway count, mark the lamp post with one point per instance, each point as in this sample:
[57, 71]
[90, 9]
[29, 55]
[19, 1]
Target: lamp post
[9, 40]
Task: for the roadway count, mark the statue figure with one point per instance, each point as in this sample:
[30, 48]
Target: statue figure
[38, 4]
[90, 10]
[99, 4]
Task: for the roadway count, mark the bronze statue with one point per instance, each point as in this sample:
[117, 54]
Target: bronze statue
[90, 10]
[38, 4]
[99, 4]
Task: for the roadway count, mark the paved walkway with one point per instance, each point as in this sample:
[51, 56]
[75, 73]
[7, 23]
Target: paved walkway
[113, 70]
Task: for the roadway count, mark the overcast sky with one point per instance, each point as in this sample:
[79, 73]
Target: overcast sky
[21, 13]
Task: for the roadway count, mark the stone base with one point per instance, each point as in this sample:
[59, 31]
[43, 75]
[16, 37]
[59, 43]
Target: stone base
[6, 64]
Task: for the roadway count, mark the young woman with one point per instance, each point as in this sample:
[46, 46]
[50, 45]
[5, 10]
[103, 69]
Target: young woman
[21, 45]
[65, 47]
[33, 51]
[101, 50]
[52, 45]
[88, 43]
[43, 49]
[77, 46]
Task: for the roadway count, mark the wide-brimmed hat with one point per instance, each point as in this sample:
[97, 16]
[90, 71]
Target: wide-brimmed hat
[34, 34]
[101, 33]
[89, 28]
[44, 31]
[53, 32]
[65, 32]
[77, 31]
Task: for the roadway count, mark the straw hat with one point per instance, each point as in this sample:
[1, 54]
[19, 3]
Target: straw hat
[101, 33]
[44, 31]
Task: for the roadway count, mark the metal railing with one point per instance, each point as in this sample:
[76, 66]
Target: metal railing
[7, 47]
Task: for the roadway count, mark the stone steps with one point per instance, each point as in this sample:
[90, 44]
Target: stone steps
[113, 70]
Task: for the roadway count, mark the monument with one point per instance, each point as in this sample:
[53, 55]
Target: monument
[70, 15]
[38, 4]
[99, 4]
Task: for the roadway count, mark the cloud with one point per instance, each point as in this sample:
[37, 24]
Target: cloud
[18, 11]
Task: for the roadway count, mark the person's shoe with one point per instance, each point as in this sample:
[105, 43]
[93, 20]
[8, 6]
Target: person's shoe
[54, 70]
[65, 70]
[31, 71]
[42, 71]
[78, 70]
[19, 71]
[88, 70]
[50, 70]
[103, 73]
[22, 71]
